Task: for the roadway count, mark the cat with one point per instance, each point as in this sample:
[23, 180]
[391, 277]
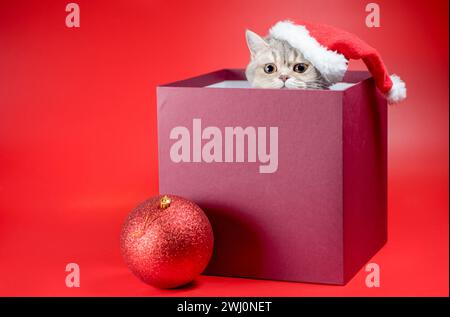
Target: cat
[276, 64]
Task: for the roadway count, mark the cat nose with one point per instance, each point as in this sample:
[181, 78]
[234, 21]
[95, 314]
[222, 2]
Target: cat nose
[284, 77]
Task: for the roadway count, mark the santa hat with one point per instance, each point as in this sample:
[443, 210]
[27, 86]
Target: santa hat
[329, 50]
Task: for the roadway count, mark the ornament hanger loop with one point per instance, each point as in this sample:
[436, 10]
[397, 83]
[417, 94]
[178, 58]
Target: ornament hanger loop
[164, 202]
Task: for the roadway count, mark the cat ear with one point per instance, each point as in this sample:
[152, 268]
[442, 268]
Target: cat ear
[255, 42]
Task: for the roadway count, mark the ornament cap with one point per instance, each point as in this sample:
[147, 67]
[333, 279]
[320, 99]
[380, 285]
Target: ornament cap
[164, 202]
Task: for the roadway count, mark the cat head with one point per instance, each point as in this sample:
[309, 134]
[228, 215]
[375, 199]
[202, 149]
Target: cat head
[276, 64]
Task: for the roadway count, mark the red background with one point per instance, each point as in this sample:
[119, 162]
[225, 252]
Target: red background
[78, 140]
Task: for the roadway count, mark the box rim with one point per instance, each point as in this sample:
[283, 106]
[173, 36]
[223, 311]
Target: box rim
[226, 72]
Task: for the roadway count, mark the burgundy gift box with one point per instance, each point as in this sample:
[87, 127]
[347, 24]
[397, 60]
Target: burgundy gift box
[294, 182]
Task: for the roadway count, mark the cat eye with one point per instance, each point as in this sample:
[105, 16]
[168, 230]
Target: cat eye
[300, 67]
[270, 68]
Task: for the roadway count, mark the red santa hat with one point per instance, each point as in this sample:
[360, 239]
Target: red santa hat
[329, 49]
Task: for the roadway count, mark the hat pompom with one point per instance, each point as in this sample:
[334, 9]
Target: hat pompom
[398, 90]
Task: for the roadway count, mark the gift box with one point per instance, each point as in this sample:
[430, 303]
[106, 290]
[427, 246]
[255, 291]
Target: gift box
[294, 182]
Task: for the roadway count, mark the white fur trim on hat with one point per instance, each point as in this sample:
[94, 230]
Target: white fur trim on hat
[398, 90]
[331, 64]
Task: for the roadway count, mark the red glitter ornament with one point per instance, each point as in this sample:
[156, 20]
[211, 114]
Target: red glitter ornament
[167, 241]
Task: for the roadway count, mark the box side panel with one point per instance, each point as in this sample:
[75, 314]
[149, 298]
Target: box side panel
[284, 225]
[365, 174]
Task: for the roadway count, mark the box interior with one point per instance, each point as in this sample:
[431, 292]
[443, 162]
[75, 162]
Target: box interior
[246, 84]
